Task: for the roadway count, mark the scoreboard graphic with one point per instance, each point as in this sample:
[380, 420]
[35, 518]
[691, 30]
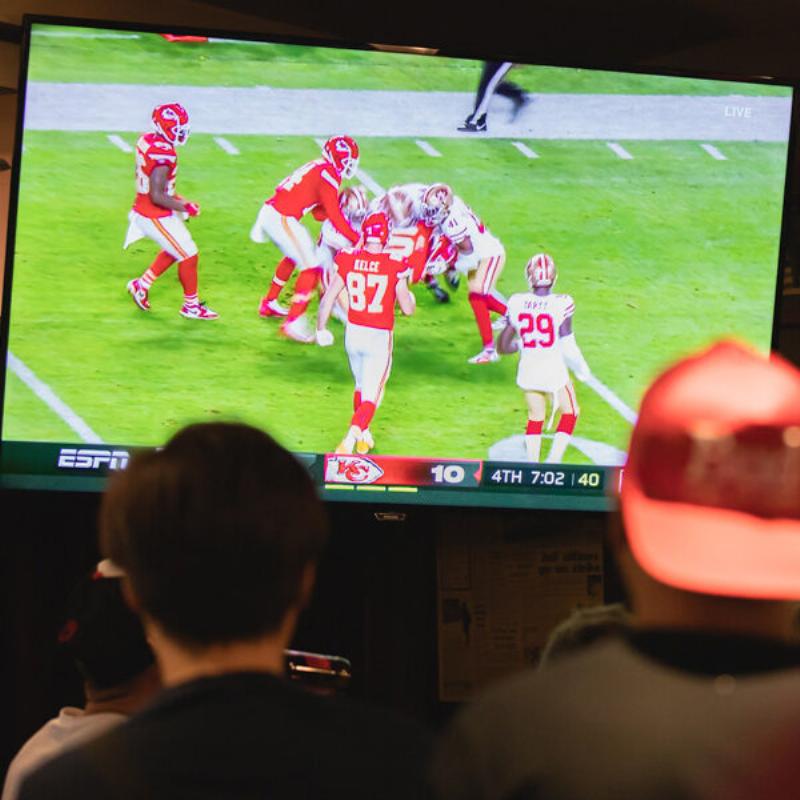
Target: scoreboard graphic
[360, 478]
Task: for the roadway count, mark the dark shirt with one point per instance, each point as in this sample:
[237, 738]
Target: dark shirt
[246, 735]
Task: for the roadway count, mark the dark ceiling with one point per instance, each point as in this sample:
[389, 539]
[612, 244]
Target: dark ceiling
[736, 37]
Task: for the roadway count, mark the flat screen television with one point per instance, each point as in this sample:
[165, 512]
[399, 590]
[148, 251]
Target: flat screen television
[659, 198]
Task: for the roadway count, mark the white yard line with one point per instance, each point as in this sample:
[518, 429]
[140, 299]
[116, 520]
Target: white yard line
[620, 151]
[525, 150]
[364, 177]
[227, 146]
[52, 400]
[714, 152]
[624, 410]
[427, 148]
[119, 142]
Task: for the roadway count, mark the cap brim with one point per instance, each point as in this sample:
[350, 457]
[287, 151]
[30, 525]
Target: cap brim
[712, 550]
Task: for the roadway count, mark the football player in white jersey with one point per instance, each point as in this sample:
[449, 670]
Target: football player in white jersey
[480, 256]
[539, 326]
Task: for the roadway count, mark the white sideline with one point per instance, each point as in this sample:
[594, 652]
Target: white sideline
[620, 151]
[52, 400]
[227, 146]
[119, 142]
[624, 410]
[364, 177]
[714, 152]
[427, 148]
[86, 35]
[525, 150]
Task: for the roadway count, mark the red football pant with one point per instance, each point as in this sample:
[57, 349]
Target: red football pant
[283, 272]
[363, 416]
[480, 309]
[304, 288]
[187, 272]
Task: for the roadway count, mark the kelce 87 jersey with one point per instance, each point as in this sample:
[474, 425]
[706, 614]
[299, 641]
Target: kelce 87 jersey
[537, 320]
[371, 282]
[153, 151]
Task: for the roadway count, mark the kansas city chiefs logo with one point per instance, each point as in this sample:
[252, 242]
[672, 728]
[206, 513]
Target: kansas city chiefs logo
[351, 469]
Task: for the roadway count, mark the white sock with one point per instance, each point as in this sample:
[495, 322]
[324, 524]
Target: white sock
[560, 442]
[533, 446]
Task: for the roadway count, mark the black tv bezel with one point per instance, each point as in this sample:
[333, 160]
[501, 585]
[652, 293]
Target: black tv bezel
[477, 54]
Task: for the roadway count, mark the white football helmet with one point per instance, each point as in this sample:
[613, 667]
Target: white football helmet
[353, 202]
[436, 203]
[541, 272]
[400, 207]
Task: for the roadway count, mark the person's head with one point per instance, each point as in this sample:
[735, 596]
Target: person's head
[541, 273]
[375, 232]
[105, 640]
[218, 534]
[171, 121]
[710, 500]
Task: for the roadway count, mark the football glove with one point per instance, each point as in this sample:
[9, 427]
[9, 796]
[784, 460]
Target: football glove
[192, 209]
[324, 338]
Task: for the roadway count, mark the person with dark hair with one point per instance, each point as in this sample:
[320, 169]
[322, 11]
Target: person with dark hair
[219, 534]
[105, 641]
[709, 549]
[493, 82]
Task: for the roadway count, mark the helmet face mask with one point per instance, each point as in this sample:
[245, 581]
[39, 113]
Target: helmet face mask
[342, 153]
[541, 272]
[376, 229]
[171, 121]
[436, 203]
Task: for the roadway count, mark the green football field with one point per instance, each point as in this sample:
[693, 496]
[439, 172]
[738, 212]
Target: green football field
[658, 253]
[662, 253]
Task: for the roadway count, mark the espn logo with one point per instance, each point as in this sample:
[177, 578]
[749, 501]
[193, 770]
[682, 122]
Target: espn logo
[71, 458]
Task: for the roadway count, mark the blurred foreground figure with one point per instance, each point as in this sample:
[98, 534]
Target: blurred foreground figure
[710, 554]
[218, 534]
[105, 641]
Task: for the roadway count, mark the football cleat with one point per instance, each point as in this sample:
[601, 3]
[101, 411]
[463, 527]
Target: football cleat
[453, 278]
[345, 447]
[271, 308]
[365, 443]
[486, 356]
[199, 311]
[439, 293]
[298, 330]
[520, 101]
[479, 126]
[139, 294]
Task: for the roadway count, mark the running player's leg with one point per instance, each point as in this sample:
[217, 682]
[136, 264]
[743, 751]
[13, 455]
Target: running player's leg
[568, 406]
[270, 307]
[140, 287]
[482, 282]
[533, 430]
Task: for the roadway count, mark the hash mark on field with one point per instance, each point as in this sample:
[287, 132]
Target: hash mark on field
[714, 152]
[427, 148]
[364, 177]
[525, 150]
[229, 148]
[620, 151]
[119, 142]
[52, 400]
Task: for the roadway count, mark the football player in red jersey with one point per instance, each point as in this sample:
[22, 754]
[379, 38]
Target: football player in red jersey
[158, 212]
[312, 187]
[374, 280]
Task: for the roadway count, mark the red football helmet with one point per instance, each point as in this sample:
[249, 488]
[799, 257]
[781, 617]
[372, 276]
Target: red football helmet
[342, 152]
[376, 228]
[172, 122]
[541, 271]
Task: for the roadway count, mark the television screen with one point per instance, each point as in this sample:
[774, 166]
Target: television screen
[430, 294]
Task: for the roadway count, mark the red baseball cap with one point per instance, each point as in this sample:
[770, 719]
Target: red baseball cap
[711, 491]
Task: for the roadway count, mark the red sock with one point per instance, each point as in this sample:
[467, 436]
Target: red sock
[534, 426]
[356, 399]
[478, 303]
[162, 263]
[304, 288]
[495, 304]
[187, 272]
[567, 423]
[283, 272]
[363, 416]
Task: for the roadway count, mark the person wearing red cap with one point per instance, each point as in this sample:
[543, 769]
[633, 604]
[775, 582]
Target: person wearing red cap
[708, 544]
